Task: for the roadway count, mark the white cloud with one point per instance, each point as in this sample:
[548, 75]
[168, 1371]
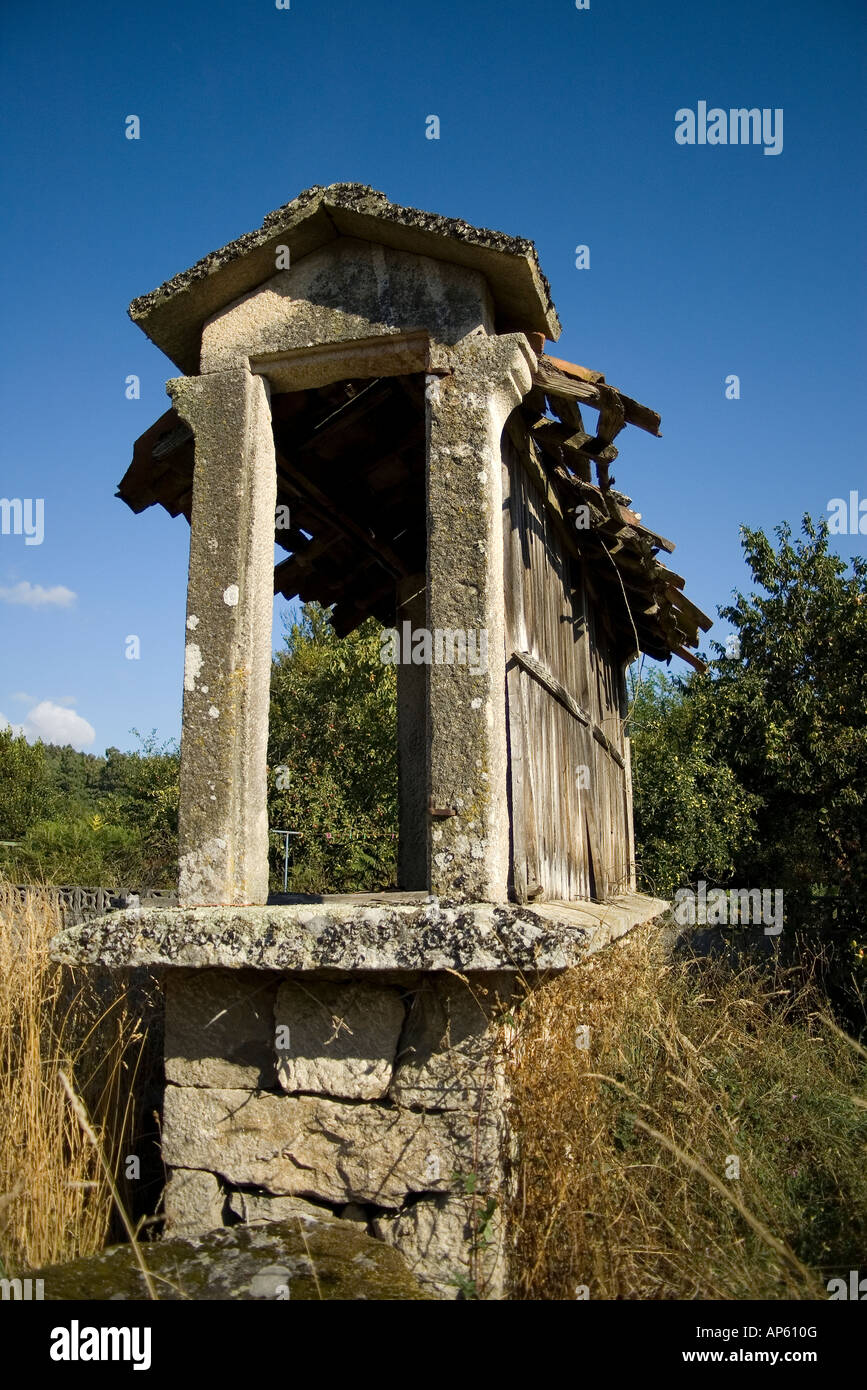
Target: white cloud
[7, 724]
[54, 724]
[24, 699]
[34, 596]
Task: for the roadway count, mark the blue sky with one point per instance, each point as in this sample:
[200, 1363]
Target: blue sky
[556, 124]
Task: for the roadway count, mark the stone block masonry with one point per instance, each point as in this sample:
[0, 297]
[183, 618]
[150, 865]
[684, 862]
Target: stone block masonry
[380, 1099]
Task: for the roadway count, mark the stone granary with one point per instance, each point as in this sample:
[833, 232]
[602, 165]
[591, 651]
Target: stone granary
[366, 385]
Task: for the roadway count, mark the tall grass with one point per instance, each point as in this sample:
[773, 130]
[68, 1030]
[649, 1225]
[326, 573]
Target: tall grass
[55, 1196]
[625, 1148]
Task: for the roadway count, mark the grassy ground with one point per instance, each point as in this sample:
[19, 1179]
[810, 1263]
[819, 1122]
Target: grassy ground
[622, 1184]
[55, 1199]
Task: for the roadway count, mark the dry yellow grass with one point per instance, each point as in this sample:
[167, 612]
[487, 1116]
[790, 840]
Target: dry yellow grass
[621, 1184]
[55, 1196]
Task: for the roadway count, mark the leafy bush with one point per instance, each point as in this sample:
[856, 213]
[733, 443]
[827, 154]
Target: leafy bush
[693, 819]
[23, 788]
[333, 757]
[791, 715]
[755, 774]
[86, 851]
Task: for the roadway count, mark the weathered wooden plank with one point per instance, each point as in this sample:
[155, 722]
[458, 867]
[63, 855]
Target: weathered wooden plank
[556, 382]
[690, 660]
[569, 839]
[682, 603]
[602, 738]
[571, 369]
[552, 685]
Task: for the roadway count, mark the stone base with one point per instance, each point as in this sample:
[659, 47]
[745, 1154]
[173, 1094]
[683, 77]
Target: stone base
[312, 1260]
[346, 1059]
[378, 1100]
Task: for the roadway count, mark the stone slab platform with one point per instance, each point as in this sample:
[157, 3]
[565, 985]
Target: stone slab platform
[398, 932]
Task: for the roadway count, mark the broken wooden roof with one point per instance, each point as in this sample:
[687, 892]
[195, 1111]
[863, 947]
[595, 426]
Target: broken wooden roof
[664, 621]
[350, 468]
[350, 456]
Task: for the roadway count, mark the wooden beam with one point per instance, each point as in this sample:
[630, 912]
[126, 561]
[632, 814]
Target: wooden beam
[602, 738]
[540, 671]
[691, 660]
[556, 382]
[291, 573]
[552, 685]
[689, 609]
[572, 369]
[342, 417]
[321, 503]
[566, 410]
[349, 614]
[292, 538]
[525, 445]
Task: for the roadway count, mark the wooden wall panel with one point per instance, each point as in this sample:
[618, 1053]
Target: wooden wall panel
[568, 841]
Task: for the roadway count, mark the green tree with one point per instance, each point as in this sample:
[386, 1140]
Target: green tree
[791, 716]
[693, 819]
[24, 790]
[754, 774]
[109, 822]
[74, 779]
[139, 792]
[333, 756]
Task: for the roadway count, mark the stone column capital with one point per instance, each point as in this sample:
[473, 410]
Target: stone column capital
[500, 368]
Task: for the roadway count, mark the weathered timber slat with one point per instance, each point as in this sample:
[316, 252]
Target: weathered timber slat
[695, 662]
[690, 609]
[602, 738]
[537, 669]
[556, 382]
[551, 684]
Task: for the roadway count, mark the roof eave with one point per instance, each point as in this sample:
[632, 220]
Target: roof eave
[173, 315]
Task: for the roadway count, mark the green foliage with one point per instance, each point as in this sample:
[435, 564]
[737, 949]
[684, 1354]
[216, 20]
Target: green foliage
[792, 713]
[692, 818]
[759, 768]
[113, 821]
[755, 774]
[24, 791]
[110, 822]
[86, 851]
[74, 780]
[333, 757]
[141, 791]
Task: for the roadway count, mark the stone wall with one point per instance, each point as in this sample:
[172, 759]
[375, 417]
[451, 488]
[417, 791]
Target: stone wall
[380, 1099]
